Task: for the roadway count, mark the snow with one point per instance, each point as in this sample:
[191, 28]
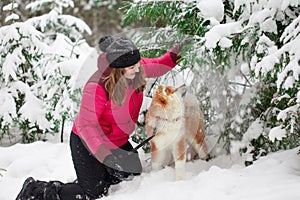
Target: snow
[253, 132]
[218, 32]
[277, 133]
[12, 17]
[10, 7]
[245, 69]
[8, 108]
[34, 113]
[37, 4]
[274, 177]
[283, 114]
[213, 10]
[89, 66]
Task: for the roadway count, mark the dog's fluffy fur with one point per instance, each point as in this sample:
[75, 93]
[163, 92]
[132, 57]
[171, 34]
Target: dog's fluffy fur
[176, 119]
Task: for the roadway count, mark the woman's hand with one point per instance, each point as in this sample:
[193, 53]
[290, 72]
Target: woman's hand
[176, 50]
[114, 167]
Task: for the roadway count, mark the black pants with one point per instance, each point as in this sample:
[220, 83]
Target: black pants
[92, 177]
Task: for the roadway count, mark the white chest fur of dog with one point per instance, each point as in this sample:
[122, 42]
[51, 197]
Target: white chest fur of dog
[176, 119]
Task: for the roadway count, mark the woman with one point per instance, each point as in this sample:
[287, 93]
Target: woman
[110, 105]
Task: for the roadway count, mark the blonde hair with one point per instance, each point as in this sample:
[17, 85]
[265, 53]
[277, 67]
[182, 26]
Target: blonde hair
[116, 84]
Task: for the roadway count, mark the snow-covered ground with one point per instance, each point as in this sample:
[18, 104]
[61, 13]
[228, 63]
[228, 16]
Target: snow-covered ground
[274, 177]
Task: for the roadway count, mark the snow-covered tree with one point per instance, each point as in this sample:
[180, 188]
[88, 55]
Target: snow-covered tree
[272, 29]
[38, 58]
[245, 64]
[55, 21]
[11, 9]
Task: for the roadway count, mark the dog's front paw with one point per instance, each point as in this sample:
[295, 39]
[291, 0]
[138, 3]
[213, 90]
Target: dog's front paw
[156, 166]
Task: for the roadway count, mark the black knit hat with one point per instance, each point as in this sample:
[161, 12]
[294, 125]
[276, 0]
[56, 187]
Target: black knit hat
[120, 52]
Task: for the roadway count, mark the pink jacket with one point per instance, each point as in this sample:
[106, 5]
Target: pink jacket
[100, 123]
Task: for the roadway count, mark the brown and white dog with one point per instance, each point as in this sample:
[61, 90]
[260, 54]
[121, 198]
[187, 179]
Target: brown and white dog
[176, 119]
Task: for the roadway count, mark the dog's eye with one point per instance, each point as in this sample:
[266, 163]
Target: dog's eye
[169, 91]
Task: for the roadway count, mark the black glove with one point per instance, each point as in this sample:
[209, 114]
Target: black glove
[114, 167]
[133, 162]
[175, 51]
[130, 160]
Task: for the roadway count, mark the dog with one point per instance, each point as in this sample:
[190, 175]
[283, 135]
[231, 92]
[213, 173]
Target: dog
[174, 116]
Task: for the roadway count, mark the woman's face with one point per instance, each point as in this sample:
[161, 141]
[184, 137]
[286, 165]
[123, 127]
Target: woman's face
[131, 70]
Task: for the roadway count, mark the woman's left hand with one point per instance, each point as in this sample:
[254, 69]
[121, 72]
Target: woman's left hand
[176, 50]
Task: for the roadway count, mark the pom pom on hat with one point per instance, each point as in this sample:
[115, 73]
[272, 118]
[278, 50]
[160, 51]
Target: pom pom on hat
[120, 52]
[104, 42]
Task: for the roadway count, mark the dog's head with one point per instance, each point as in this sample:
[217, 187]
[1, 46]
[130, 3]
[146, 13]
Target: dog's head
[166, 95]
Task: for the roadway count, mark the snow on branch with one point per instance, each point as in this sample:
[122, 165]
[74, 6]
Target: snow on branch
[59, 21]
[218, 32]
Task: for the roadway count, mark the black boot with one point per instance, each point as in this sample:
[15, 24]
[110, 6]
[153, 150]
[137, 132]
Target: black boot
[26, 189]
[51, 191]
[39, 190]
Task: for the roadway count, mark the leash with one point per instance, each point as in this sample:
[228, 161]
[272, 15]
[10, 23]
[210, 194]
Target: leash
[144, 141]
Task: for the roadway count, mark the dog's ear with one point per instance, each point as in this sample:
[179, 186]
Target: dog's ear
[169, 90]
[159, 89]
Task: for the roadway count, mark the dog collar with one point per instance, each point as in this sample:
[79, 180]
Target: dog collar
[167, 119]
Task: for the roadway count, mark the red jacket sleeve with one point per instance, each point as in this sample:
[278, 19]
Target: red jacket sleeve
[155, 67]
[92, 106]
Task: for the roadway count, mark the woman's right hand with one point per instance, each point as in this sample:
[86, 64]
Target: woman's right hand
[114, 167]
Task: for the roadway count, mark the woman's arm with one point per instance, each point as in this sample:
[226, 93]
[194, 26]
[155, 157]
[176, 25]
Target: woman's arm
[159, 66]
[155, 67]
[87, 125]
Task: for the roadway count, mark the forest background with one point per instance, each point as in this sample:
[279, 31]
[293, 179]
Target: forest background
[244, 64]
